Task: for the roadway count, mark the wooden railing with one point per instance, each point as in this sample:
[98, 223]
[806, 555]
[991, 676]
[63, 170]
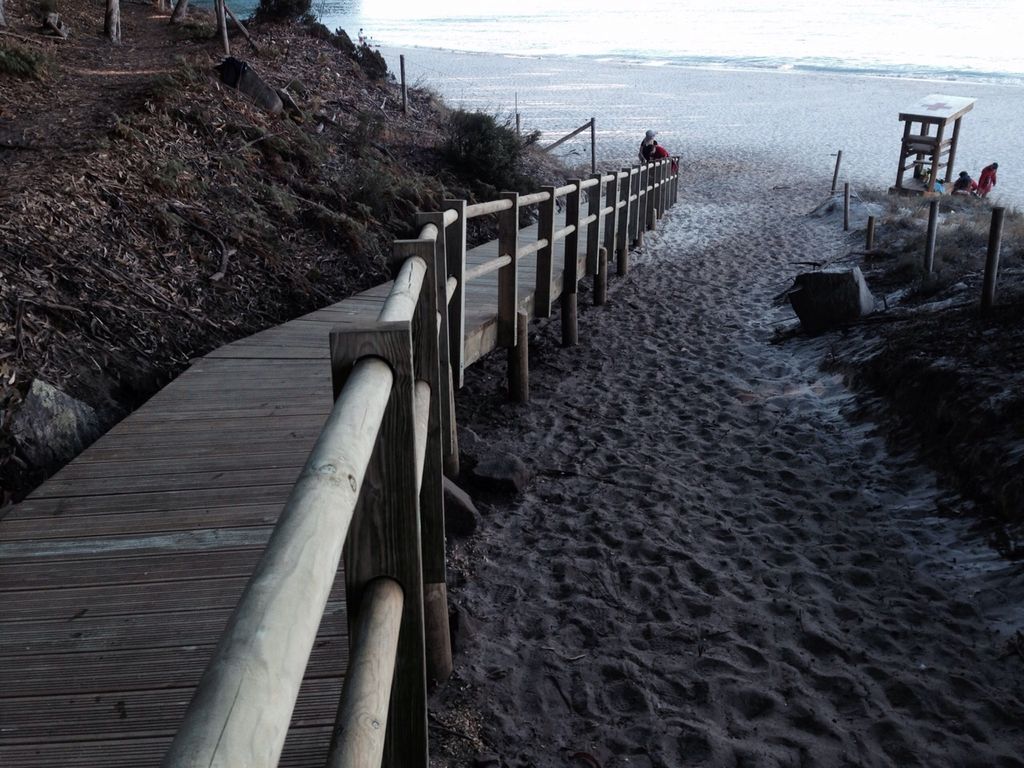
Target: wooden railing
[372, 488]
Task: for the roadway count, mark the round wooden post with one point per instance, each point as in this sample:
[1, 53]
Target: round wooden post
[835, 175]
[519, 361]
[570, 329]
[405, 91]
[933, 228]
[601, 278]
[846, 207]
[995, 238]
[593, 145]
[870, 244]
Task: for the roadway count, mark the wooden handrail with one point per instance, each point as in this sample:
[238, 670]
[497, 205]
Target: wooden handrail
[526, 250]
[481, 209]
[394, 383]
[487, 267]
[569, 135]
[361, 723]
[401, 302]
[240, 711]
[536, 197]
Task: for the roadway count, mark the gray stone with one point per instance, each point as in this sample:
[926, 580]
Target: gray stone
[51, 427]
[501, 473]
[461, 517]
[825, 299]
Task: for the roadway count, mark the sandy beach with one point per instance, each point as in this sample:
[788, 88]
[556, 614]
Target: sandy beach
[716, 563]
[797, 118]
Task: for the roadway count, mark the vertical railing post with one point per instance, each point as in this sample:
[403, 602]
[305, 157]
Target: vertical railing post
[663, 187]
[508, 288]
[384, 537]
[570, 268]
[995, 239]
[869, 243]
[651, 210]
[594, 228]
[634, 204]
[611, 219]
[455, 244]
[933, 228]
[430, 336]
[545, 255]
[641, 203]
[622, 224]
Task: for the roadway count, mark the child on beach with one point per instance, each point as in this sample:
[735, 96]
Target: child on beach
[964, 184]
[660, 152]
[647, 147]
[987, 180]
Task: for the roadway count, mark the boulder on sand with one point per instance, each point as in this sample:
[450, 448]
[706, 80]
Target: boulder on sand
[51, 427]
[828, 298]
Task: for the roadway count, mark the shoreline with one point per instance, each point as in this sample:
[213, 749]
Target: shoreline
[803, 120]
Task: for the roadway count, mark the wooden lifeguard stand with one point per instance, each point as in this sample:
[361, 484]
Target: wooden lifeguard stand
[927, 150]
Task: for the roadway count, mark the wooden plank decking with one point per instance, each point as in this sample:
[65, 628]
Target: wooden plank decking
[118, 575]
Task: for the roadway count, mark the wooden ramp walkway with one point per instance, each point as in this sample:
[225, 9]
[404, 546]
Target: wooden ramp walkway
[118, 575]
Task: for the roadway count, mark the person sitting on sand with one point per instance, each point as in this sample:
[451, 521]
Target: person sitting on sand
[964, 184]
[647, 147]
[987, 180]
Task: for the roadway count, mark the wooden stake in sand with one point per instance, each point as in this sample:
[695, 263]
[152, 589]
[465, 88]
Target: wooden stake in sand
[846, 207]
[519, 361]
[405, 91]
[601, 278]
[835, 175]
[870, 243]
[933, 227]
[995, 238]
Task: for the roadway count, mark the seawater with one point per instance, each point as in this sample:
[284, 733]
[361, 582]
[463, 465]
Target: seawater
[938, 39]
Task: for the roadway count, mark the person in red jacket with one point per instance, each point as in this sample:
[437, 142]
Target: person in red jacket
[660, 152]
[987, 180]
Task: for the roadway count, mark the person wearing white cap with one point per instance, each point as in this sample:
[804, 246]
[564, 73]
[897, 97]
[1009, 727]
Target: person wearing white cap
[647, 147]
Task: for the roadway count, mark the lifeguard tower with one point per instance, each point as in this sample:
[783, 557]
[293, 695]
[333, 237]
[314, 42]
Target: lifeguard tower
[930, 147]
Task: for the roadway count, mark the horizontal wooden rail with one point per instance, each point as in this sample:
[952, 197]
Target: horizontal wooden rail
[487, 267]
[564, 190]
[561, 233]
[588, 183]
[526, 250]
[588, 220]
[449, 287]
[577, 132]
[450, 217]
[405, 292]
[482, 209]
[363, 714]
[240, 711]
[536, 197]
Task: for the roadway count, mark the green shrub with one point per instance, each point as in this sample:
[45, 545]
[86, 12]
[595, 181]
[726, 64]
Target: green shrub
[21, 62]
[481, 148]
[282, 10]
[371, 62]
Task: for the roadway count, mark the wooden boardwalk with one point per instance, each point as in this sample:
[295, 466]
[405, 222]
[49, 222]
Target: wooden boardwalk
[118, 575]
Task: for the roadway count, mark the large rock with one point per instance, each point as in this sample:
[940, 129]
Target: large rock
[240, 75]
[461, 517]
[825, 299]
[51, 427]
[501, 473]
